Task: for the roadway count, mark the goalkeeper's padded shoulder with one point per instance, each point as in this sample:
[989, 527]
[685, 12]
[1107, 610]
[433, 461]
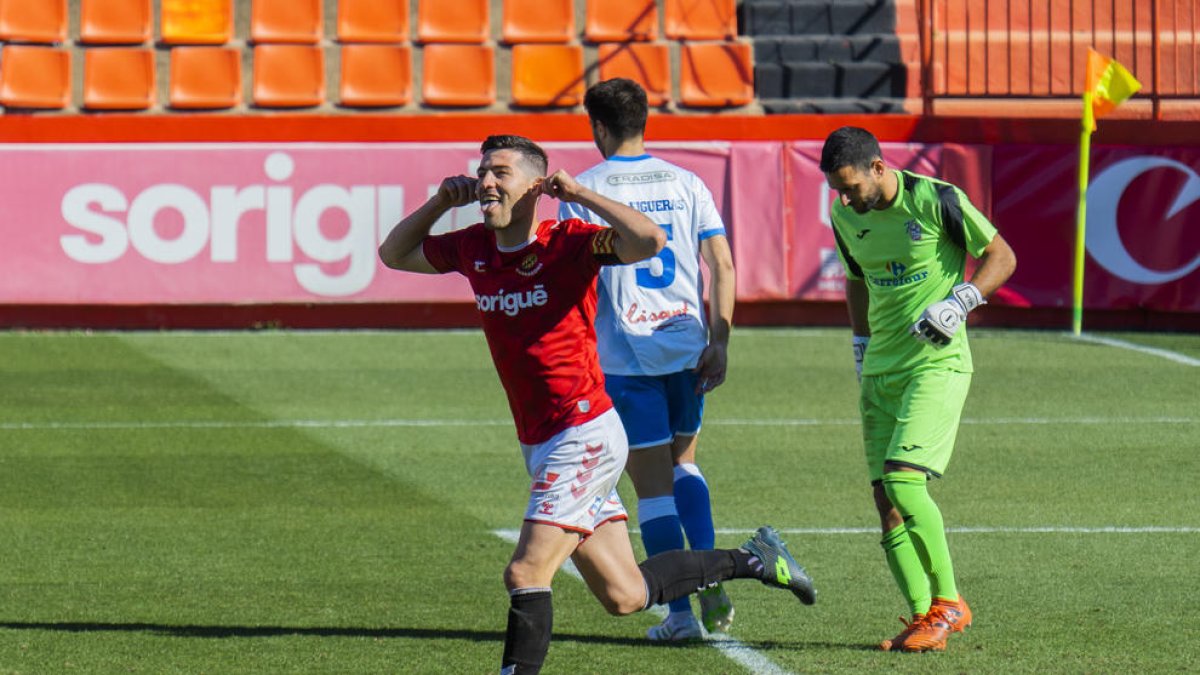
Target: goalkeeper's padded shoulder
[968, 296]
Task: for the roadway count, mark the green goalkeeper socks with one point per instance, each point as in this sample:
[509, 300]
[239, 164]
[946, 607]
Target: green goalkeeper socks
[908, 493]
[907, 569]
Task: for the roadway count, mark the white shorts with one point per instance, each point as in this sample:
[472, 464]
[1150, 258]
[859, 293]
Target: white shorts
[575, 475]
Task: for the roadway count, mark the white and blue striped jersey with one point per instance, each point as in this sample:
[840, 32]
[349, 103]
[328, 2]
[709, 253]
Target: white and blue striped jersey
[651, 318]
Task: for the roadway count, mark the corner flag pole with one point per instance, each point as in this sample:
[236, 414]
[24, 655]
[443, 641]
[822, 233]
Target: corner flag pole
[1106, 84]
[1085, 151]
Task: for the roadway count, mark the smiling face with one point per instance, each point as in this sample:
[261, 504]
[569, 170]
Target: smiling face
[507, 189]
[860, 190]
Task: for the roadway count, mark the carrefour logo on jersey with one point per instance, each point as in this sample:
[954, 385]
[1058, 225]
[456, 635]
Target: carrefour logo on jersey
[512, 303]
[898, 278]
[658, 205]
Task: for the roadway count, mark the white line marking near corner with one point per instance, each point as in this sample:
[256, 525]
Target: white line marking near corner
[733, 649]
[1033, 529]
[1153, 351]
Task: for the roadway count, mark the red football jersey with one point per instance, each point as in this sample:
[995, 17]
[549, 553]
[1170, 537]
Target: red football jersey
[538, 305]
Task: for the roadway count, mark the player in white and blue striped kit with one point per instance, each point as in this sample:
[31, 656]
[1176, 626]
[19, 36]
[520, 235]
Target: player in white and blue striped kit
[660, 349]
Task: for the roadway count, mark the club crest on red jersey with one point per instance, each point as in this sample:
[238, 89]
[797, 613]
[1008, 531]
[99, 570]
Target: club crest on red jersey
[529, 266]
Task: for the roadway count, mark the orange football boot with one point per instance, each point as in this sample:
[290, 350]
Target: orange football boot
[898, 641]
[929, 633]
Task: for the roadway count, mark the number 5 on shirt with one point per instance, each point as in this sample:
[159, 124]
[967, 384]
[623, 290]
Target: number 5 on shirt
[646, 278]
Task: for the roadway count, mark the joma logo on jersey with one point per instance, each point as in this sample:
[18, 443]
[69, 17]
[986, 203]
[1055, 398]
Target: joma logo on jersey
[641, 178]
[512, 303]
[529, 266]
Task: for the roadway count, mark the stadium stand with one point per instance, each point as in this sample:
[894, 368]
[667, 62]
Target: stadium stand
[965, 57]
[118, 78]
[826, 56]
[205, 78]
[115, 22]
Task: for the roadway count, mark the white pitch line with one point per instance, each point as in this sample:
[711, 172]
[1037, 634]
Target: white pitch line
[733, 649]
[387, 423]
[1033, 529]
[1153, 351]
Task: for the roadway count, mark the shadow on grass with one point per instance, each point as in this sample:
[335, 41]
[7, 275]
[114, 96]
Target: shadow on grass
[282, 631]
[411, 633]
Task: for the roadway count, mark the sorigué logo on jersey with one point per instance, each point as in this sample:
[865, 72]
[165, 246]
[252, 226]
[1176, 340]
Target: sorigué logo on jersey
[512, 303]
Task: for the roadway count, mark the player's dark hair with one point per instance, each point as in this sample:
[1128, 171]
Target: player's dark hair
[528, 149]
[620, 105]
[849, 146]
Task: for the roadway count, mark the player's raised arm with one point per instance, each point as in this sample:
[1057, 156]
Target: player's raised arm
[637, 237]
[402, 248]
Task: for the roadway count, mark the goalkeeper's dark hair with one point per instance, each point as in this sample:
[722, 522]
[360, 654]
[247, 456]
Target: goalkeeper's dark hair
[849, 146]
[532, 152]
[620, 105]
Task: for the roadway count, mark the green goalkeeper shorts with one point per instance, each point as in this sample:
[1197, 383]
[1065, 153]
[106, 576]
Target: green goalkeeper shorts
[911, 418]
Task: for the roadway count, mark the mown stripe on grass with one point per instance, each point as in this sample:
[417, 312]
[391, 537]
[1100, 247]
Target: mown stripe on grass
[733, 649]
[367, 423]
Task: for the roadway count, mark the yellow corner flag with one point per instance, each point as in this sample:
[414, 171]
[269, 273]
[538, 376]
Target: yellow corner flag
[1106, 86]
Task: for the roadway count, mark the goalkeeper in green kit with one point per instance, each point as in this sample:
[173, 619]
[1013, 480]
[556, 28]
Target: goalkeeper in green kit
[903, 240]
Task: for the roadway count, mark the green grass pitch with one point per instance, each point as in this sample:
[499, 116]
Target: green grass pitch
[327, 503]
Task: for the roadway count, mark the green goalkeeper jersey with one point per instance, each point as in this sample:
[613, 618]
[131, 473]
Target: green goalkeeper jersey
[910, 255]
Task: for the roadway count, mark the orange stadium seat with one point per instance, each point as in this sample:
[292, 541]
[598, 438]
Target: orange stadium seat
[547, 75]
[538, 21]
[624, 21]
[114, 22]
[647, 63]
[292, 21]
[34, 77]
[372, 20]
[376, 75]
[118, 78]
[289, 76]
[457, 21]
[700, 19]
[205, 77]
[715, 74]
[201, 22]
[43, 21]
[459, 75]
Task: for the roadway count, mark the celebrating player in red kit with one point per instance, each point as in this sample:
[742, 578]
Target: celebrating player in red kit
[535, 287]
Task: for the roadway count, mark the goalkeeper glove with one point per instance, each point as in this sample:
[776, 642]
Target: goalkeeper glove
[940, 321]
[859, 342]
